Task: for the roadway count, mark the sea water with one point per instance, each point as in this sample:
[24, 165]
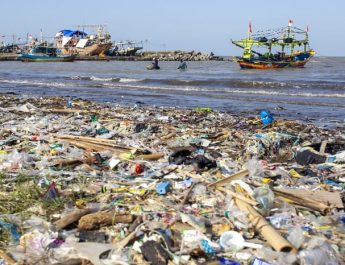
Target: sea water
[315, 93]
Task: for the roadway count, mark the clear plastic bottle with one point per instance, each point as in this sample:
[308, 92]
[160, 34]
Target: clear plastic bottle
[265, 197]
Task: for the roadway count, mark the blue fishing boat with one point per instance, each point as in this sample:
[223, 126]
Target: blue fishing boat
[45, 54]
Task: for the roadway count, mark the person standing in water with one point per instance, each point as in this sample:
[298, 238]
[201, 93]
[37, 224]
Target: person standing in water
[155, 63]
[183, 65]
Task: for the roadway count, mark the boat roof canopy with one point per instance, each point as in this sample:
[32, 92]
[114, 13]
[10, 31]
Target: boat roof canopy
[286, 36]
[71, 33]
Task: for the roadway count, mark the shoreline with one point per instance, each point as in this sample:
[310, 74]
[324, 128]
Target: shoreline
[245, 114]
[144, 56]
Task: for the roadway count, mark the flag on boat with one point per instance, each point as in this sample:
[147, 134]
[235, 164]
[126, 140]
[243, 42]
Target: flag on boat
[250, 27]
[307, 29]
[290, 22]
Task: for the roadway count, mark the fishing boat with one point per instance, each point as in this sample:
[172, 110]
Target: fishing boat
[281, 48]
[81, 43]
[45, 54]
[126, 48]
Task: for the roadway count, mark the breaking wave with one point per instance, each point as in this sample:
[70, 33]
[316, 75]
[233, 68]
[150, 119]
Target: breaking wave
[224, 83]
[228, 91]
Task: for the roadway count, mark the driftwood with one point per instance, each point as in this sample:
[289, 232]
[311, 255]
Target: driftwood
[265, 229]
[70, 162]
[304, 201]
[168, 136]
[154, 156]
[6, 258]
[71, 218]
[226, 180]
[90, 140]
[105, 218]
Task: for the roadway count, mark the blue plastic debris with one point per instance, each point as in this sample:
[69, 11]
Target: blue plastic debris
[207, 248]
[163, 187]
[257, 261]
[225, 261]
[12, 229]
[266, 117]
[69, 103]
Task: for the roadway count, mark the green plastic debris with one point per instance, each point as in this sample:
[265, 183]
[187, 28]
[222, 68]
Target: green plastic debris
[208, 110]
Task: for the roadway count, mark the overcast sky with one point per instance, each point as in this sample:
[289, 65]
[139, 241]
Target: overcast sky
[180, 24]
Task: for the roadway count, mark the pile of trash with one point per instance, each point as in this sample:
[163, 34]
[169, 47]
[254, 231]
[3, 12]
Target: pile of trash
[87, 183]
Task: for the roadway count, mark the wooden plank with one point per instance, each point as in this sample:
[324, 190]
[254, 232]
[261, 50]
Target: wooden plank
[326, 197]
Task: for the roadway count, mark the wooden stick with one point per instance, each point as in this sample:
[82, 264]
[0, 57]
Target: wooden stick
[265, 229]
[96, 147]
[86, 139]
[226, 180]
[6, 258]
[97, 141]
[154, 156]
[71, 218]
[168, 136]
[238, 196]
[186, 197]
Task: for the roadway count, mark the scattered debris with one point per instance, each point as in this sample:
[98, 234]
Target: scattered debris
[85, 183]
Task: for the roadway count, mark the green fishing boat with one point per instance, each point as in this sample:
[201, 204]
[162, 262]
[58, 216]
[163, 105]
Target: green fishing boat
[283, 47]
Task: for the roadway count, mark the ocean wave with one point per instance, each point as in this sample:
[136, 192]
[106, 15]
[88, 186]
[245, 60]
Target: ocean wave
[276, 93]
[223, 83]
[147, 87]
[107, 79]
[228, 91]
[33, 83]
[237, 83]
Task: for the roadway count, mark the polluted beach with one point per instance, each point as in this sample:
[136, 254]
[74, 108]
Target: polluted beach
[95, 184]
[168, 150]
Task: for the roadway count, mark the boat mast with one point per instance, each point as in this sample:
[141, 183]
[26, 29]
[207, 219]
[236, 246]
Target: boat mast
[248, 43]
[306, 42]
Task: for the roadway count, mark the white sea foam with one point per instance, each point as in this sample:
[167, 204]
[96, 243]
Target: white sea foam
[129, 80]
[275, 93]
[33, 83]
[103, 79]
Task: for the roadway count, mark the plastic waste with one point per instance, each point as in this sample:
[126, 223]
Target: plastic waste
[257, 261]
[237, 217]
[266, 117]
[225, 261]
[12, 229]
[69, 103]
[296, 237]
[206, 247]
[233, 241]
[265, 197]
[163, 187]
